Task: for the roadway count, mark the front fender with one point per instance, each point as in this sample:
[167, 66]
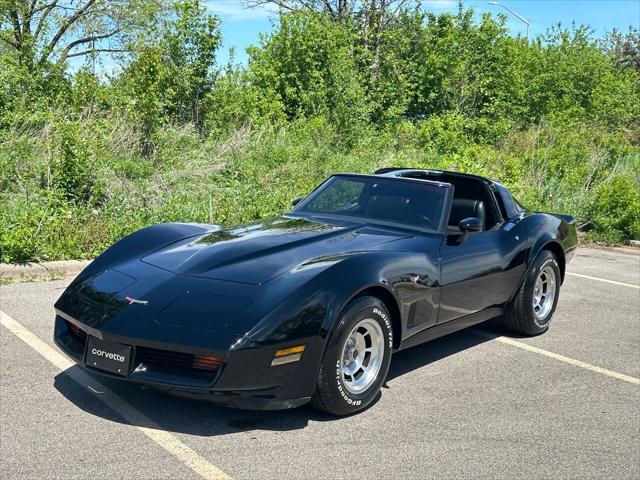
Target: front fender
[308, 314]
[311, 309]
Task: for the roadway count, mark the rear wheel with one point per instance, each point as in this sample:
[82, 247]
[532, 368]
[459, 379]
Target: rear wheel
[533, 307]
[357, 358]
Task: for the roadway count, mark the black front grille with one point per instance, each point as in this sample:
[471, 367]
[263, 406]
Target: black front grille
[164, 358]
[195, 370]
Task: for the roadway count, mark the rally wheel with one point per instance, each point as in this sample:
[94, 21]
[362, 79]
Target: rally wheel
[357, 358]
[532, 309]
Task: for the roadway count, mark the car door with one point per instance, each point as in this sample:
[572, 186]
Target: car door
[482, 271]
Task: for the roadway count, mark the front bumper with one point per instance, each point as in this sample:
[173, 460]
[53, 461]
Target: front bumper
[245, 379]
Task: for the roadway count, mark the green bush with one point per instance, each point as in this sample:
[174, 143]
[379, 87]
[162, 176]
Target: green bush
[615, 210]
[251, 174]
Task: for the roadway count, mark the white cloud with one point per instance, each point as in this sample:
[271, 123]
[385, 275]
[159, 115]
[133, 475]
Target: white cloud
[238, 10]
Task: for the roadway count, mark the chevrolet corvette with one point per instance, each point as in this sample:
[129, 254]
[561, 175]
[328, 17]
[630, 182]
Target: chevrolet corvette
[309, 306]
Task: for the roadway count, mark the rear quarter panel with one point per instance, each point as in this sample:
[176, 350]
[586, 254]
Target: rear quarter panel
[547, 230]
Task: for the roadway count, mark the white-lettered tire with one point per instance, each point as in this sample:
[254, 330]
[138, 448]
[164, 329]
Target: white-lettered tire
[357, 358]
[532, 309]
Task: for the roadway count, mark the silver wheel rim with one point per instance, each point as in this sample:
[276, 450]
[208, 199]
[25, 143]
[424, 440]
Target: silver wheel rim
[362, 355]
[544, 293]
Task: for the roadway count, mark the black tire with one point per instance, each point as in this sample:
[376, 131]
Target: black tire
[521, 316]
[332, 395]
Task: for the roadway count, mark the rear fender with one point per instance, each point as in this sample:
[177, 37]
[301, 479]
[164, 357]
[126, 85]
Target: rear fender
[556, 233]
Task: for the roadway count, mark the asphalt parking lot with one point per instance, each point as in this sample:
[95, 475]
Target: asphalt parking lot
[476, 404]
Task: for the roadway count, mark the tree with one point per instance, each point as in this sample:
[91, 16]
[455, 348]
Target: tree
[192, 40]
[339, 9]
[624, 48]
[309, 63]
[41, 32]
[336, 8]
[172, 70]
[372, 18]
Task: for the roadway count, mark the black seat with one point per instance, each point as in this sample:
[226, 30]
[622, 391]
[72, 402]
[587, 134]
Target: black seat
[464, 208]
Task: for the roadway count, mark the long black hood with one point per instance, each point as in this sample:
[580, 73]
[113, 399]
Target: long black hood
[259, 252]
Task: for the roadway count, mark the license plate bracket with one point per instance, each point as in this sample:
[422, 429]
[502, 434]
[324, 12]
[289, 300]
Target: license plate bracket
[108, 356]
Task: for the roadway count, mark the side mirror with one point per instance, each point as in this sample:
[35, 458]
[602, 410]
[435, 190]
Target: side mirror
[468, 225]
[296, 201]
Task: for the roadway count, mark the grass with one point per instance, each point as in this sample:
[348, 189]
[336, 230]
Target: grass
[69, 189]
[49, 276]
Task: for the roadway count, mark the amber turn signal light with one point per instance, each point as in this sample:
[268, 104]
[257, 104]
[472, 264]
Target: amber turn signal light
[287, 355]
[74, 329]
[288, 351]
[206, 362]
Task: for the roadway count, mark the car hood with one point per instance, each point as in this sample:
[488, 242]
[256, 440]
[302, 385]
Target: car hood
[259, 252]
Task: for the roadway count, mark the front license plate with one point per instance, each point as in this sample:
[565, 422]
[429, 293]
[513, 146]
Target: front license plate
[112, 357]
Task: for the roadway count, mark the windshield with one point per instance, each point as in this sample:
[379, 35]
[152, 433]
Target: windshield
[389, 200]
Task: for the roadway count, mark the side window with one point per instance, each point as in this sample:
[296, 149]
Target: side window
[473, 198]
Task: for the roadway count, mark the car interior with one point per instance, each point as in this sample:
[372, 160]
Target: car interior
[471, 199]
[411, 205]
[411, 208]
[392, 201]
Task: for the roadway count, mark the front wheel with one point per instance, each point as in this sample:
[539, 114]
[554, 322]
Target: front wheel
[357, 358]
[533, 307]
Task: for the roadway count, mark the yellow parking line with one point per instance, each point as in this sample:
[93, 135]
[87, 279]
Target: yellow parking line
[164, 439]
[613, 282]
[562, 358]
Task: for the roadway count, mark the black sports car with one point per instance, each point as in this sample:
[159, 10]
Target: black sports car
[309, 306]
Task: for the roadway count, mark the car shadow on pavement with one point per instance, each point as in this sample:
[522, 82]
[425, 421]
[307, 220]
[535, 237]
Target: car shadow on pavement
[196, 417]
[419, 356]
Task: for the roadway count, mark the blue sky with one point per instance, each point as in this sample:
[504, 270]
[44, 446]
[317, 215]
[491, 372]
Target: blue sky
[242, 26]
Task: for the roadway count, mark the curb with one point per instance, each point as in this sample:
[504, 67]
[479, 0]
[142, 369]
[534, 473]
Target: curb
[629, 250]
[632, 248]
[29, 269]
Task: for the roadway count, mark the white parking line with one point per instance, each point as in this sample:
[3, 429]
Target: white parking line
[604, 280]
[557, 356]
[165, 439]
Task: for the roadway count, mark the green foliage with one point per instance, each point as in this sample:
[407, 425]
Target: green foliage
[571, 76]
[309, 65]
[236, 101]
[253, 174]
[615, 210]
[171, 136]
[172, 72]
